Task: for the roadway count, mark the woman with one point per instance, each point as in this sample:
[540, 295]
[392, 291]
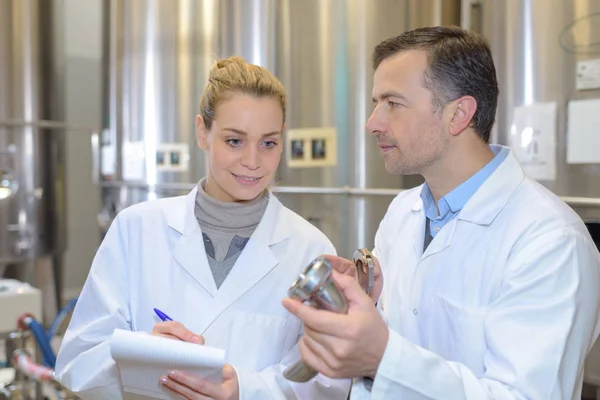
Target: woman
[218, 261]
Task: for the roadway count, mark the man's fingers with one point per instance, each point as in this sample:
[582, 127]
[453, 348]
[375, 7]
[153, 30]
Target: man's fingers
[377, 269]
[295, 307]
[323, 321]
[342, 265]
[319, 347]
[326, 321]
[351, 290]
[310, 358]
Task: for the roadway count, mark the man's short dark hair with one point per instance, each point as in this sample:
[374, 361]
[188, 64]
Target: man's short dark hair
[460, 63]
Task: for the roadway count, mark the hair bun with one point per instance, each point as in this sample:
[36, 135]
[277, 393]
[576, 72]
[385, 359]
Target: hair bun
[235, 75]
[225, 62]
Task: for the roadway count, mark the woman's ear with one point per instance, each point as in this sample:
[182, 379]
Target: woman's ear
[201, 133]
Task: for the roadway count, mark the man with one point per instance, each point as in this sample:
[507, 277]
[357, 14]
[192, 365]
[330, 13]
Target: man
[491, 283]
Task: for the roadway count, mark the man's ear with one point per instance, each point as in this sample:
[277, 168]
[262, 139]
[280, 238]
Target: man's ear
[462, 112]
[201, 133]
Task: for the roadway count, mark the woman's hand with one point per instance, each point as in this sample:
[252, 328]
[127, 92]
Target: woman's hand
[175, 330]
[191, 387]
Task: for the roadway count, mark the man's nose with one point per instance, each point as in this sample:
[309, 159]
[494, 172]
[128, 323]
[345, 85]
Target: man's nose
[375, 123]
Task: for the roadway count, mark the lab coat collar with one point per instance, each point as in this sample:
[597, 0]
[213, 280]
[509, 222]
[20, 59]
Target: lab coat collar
[492, 196]
[485, 204]
[253, 264]
[184, 221]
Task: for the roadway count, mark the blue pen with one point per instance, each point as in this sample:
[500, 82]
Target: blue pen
[162, 315]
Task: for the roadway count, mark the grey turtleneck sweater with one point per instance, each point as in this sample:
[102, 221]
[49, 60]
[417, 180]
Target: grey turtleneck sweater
[226, 228]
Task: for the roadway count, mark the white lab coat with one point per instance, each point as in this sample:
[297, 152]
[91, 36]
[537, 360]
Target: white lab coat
[503, 304]
[153, 256]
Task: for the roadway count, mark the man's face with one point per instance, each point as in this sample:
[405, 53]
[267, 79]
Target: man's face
[409, 132]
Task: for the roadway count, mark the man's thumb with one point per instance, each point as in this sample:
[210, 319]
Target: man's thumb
[350, 288]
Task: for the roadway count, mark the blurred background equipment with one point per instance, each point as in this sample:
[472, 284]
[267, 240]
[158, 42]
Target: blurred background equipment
[157, 56]
[32, 181]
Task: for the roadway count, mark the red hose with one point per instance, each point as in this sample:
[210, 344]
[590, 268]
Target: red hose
[26, 365]
[20, 321]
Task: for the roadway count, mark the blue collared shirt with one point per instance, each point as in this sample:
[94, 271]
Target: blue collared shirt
[451, 204]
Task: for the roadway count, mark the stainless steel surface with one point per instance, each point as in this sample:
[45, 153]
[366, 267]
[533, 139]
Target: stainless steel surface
[157, 57]
[315, 287]
[325, 65]
[247, 28]
[310, 190]
[32, 221]
[47, 124]
[533, 66]
[157, 61]
[299, 372]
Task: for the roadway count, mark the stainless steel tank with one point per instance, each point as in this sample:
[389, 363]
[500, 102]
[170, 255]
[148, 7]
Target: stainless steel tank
[324, 61]
[158, 55]
[538, 46]
[32, 208]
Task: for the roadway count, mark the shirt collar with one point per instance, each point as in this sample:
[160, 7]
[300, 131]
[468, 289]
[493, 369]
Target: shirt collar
[457, 198]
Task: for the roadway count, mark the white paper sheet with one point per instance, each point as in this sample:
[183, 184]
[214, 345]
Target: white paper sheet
[134, 161]
[533, 139]
[108, 166]
[588, 74]
[583, 132]
[142, 359]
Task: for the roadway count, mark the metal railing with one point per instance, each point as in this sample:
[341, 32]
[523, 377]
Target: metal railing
[574, 201]
[315, 190]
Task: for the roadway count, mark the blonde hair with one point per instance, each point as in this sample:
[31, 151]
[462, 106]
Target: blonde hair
[234, 75]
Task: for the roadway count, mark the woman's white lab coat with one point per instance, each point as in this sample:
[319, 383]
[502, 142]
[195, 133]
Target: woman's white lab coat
[503, 304]
[153, 256]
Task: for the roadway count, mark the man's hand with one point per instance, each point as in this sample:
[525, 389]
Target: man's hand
[342, 345]
[347, 267]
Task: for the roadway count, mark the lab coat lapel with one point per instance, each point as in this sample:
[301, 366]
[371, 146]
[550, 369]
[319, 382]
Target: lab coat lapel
[494, 193]
[439, 243]
[255, 261]
[189, 250]
[418, 229]
[442, 240]
[482, 207]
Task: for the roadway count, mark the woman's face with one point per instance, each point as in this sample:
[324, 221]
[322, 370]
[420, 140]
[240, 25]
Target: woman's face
[243, 146]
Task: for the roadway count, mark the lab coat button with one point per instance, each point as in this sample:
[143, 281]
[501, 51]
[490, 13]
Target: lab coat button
[415, 311]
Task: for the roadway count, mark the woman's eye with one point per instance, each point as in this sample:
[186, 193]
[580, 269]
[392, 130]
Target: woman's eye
[233, 142]
[270, 144]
